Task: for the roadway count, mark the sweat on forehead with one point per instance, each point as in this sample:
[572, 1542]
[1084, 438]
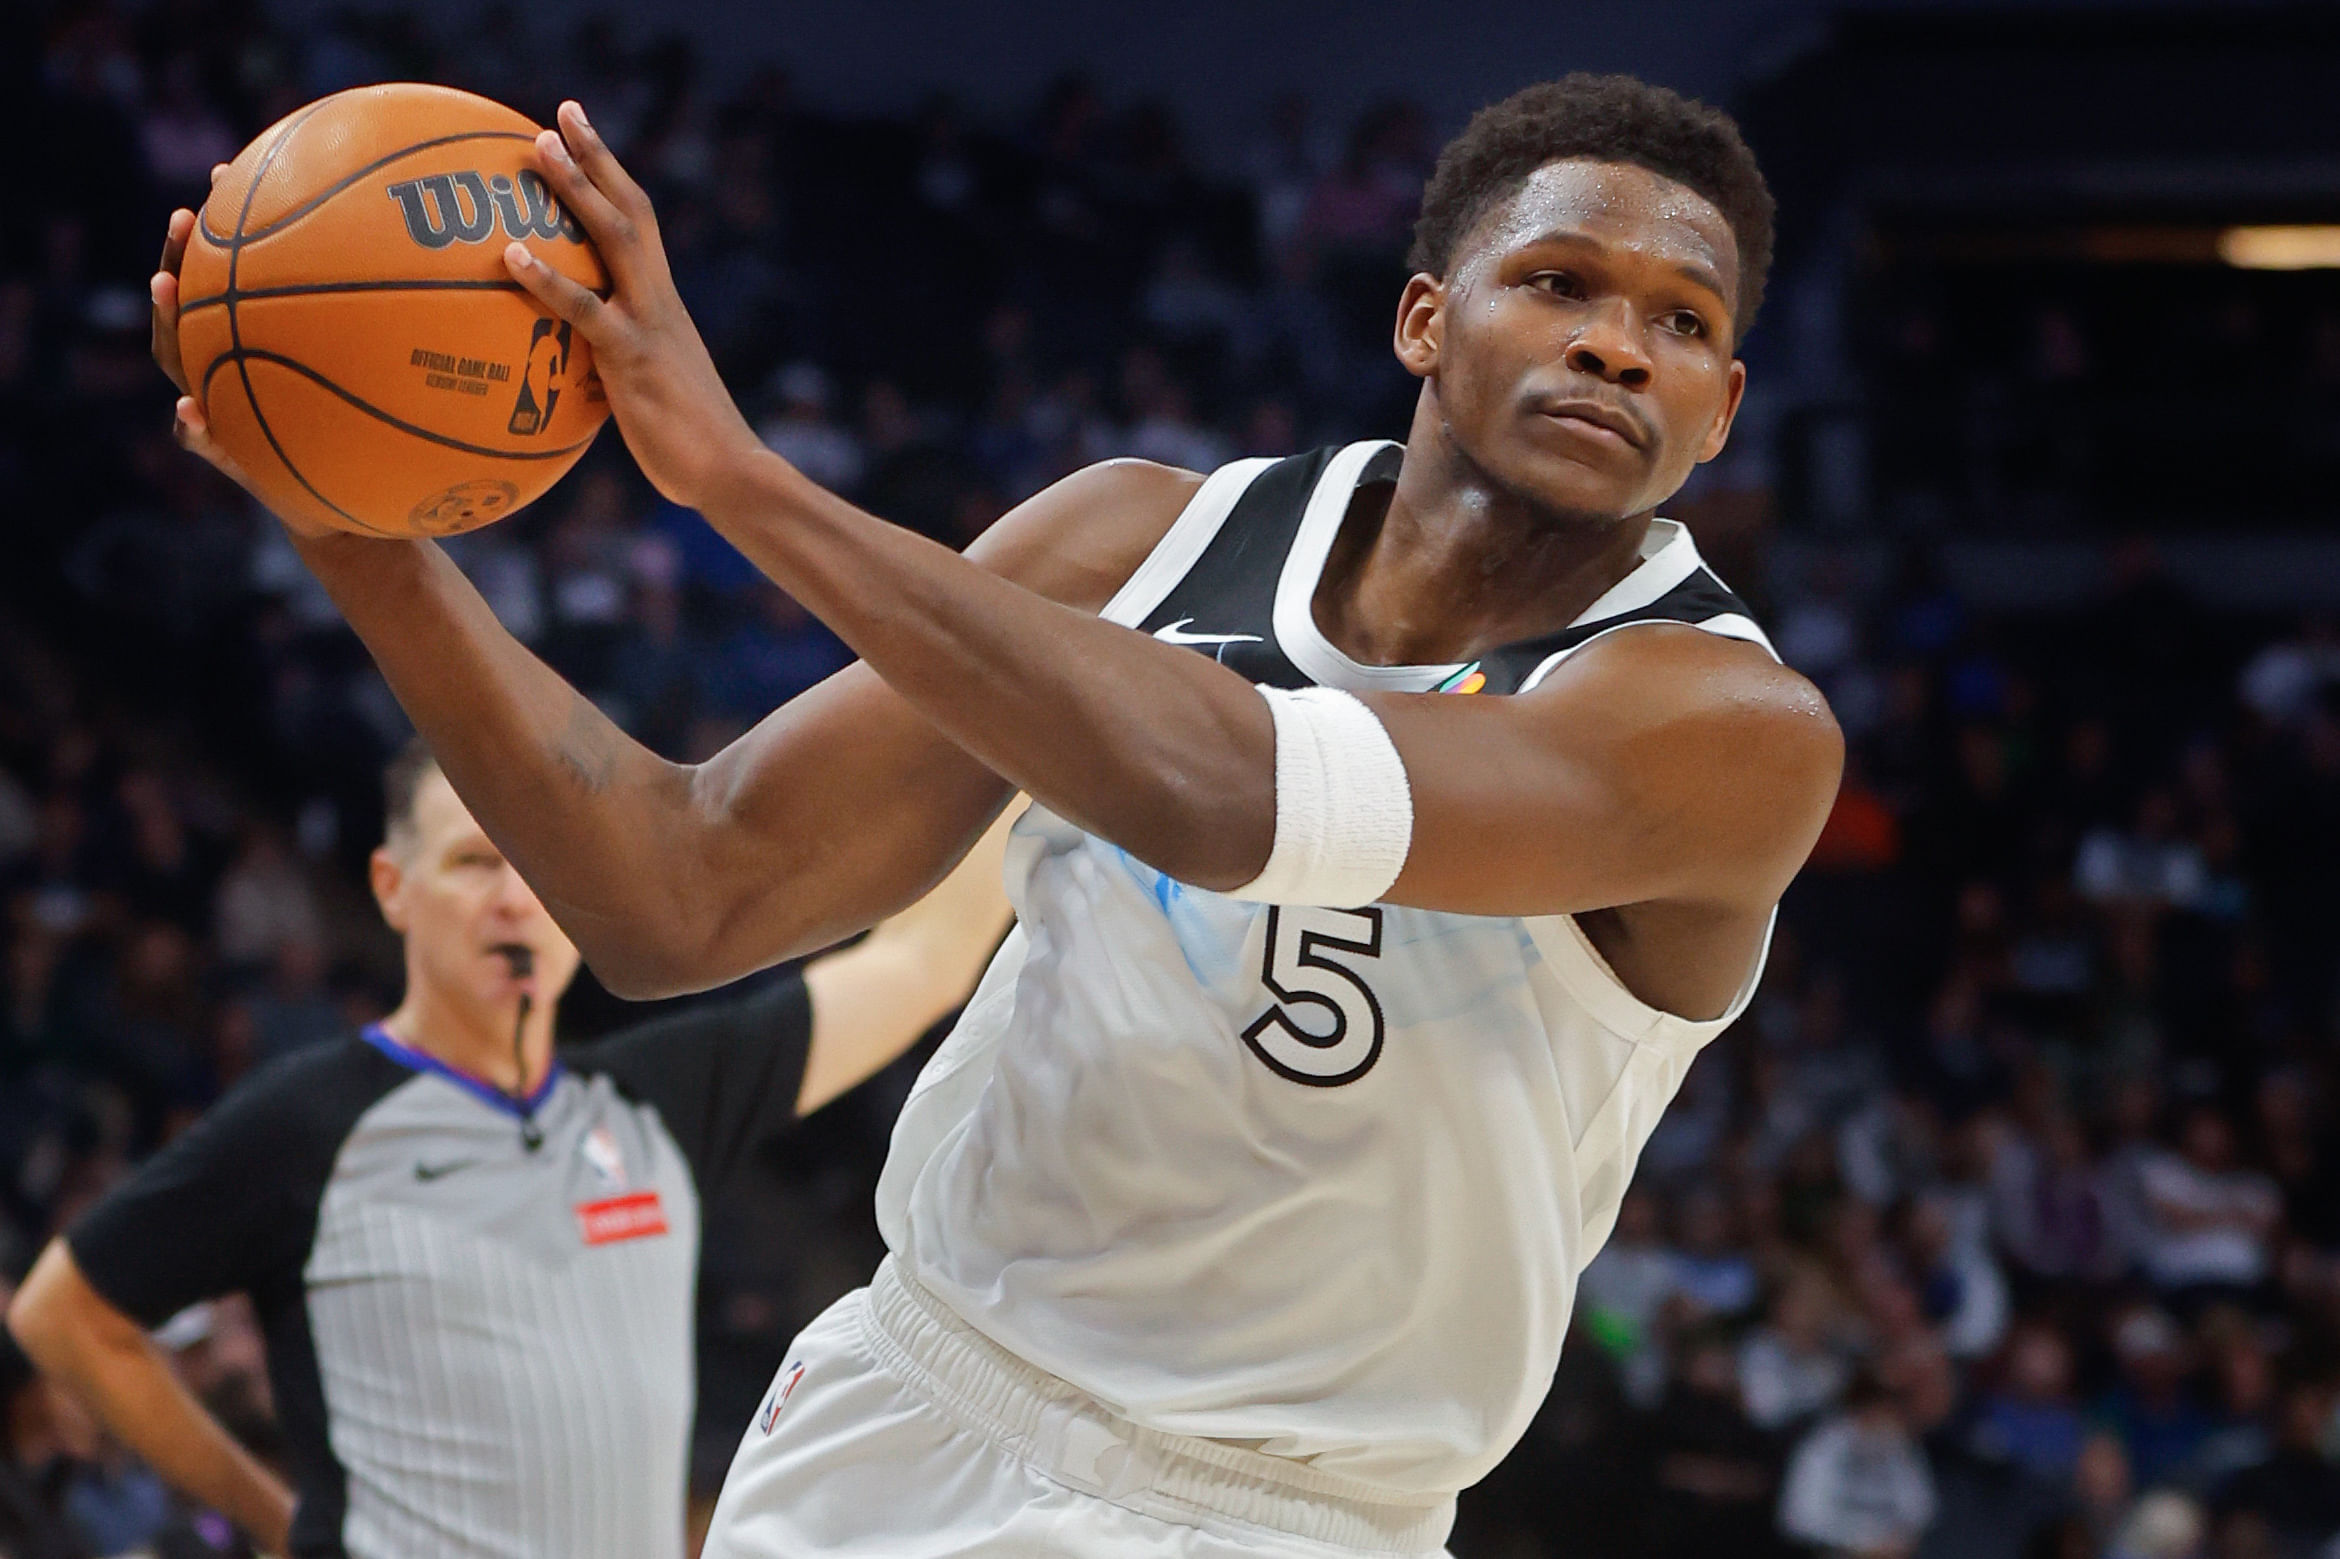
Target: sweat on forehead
[1614, 204]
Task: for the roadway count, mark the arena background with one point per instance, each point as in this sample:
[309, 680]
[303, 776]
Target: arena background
[2035, 479]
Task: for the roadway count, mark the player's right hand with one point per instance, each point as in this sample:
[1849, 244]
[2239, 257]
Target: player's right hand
[684, 429]
[188, 424]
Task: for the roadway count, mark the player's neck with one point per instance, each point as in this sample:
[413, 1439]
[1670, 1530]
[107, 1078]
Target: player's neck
[1453, 566]
[473, 1039]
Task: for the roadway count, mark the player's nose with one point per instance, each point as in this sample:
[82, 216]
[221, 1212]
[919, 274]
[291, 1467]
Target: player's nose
[1608, 346]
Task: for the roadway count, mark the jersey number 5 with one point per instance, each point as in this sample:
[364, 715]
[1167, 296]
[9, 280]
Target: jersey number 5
[1340, 1038]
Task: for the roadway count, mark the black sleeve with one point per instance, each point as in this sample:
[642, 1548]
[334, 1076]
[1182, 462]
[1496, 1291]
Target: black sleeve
[231, 1203]
[725, 1076]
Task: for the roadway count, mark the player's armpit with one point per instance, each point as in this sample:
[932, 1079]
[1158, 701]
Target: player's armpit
[873, 1000]
[1660, 765]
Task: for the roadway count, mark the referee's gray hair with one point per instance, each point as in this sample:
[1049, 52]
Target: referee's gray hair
[402, 781]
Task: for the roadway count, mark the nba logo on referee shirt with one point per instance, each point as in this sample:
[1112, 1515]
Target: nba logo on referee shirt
[790, 1374]
[624, 1214]
[604, 1157]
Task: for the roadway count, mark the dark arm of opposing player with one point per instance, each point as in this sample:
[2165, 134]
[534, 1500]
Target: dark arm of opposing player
[1666, 764]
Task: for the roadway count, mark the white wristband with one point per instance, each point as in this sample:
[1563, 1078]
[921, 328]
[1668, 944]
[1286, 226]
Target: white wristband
[1344, 812]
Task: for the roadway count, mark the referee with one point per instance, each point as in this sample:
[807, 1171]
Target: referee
[474, 1264]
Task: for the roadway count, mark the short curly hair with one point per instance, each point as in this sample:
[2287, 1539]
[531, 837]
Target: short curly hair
[1608, 119]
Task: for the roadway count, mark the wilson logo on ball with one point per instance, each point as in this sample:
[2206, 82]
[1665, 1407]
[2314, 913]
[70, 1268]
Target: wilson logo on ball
[467, 208]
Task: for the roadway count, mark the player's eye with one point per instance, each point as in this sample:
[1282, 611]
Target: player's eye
[1683, 322]
[1558, 283]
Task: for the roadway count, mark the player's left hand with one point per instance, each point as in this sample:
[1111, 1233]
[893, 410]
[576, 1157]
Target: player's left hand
[671, 405]
[189, 424]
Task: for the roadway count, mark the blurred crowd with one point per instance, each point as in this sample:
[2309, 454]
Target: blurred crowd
[2021, 396]
[2007, 1223]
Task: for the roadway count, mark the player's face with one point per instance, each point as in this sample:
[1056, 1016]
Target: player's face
[1579, 348]
[449, 891]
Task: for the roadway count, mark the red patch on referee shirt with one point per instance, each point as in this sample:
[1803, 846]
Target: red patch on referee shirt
[635, 1216]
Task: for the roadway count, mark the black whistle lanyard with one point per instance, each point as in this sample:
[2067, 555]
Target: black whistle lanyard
[522, 962]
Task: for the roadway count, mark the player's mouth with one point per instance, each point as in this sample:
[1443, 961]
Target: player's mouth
[1596, 420]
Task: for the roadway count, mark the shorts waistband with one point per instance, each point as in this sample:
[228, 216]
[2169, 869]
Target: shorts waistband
[1059, 1429]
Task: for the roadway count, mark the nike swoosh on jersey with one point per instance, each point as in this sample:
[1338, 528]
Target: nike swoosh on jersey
[429, 1172]
[1175, 633]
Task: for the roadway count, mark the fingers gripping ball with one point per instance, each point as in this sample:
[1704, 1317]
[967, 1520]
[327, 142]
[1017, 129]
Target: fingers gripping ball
[347, 322]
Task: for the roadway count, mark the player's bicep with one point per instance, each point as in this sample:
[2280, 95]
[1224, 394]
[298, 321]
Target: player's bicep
[1687, 772]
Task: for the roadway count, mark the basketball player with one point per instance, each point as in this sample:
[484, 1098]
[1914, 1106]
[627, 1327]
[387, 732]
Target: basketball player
[1379, 888]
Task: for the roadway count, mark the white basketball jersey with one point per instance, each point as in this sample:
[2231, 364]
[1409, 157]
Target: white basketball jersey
[1316, 1180]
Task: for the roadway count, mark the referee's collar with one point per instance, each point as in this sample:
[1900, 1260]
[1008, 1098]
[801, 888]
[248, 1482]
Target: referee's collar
[486, 1092]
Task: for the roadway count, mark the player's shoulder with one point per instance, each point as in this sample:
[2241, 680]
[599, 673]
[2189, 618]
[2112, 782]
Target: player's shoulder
[1129, 477]
[1679, 667]
[1728, 698]
[1080, 537]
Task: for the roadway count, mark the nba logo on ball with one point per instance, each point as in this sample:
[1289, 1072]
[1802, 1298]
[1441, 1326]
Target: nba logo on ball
[790, 1374]
[548, 354]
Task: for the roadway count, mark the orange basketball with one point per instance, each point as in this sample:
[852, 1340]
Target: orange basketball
[349, 328]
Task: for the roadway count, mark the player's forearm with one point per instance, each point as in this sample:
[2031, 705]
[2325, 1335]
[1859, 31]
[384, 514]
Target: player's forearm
[107, 1361]
[601, 827]
[1161, 751]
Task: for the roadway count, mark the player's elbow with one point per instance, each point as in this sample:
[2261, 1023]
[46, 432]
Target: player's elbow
[647, 969]
[663, 950]
[634, 980]
[701, 917]
[1210, 831]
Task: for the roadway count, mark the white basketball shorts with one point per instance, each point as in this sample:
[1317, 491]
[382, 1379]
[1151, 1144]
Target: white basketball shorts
[895, 1429]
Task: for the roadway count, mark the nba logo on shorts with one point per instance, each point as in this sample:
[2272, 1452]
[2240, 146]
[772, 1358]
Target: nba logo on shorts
[790, 1374]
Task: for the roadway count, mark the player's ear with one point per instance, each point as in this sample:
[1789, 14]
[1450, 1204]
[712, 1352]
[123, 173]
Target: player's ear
[388, 880]
[1719, 434]
[1421, 324]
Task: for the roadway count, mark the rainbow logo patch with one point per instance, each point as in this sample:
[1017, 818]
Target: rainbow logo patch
[1468, 680]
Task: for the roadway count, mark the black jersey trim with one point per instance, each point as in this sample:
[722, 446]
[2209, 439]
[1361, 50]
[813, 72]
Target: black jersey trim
[1188, 537]
[1224, 604]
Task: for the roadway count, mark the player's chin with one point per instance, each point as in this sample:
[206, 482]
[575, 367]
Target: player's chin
[1593, 489]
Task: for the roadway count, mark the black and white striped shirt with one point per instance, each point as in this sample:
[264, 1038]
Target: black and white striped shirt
[479, 1338]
